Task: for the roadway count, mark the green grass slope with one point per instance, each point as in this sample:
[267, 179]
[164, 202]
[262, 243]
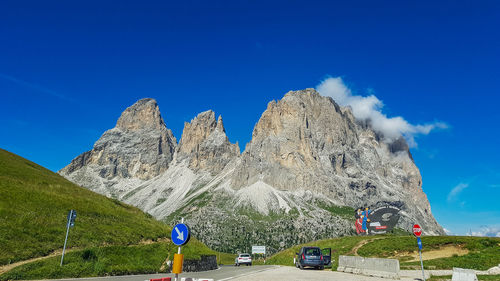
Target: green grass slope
[109, 237]
[110, 260]
[34, 203]
[483, 252]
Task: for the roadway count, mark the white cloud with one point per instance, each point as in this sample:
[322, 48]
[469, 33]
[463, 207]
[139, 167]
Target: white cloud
[447, 231]
[370, 108]
[487, 231]
[452, 196]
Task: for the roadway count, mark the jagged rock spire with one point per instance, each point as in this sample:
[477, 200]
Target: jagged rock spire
[205, 142]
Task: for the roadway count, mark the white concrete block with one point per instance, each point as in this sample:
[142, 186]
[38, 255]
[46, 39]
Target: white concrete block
[460, 274]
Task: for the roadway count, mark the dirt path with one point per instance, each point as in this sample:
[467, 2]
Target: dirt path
[354, 250]
[8, 267]
[443, 252]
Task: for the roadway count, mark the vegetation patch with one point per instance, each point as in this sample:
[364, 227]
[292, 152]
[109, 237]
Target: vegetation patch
[34, 207]
[112, 260]
[483, 252]
[341, 211]
[226, 258]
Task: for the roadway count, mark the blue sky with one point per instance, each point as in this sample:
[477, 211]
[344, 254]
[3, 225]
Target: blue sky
[68, 69]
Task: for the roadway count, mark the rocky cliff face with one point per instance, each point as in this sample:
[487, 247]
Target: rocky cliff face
[306, 142]
[309, 163]
[139, 148]
[205, 143]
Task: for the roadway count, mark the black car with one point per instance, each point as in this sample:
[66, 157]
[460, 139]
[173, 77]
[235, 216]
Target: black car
[313, 257]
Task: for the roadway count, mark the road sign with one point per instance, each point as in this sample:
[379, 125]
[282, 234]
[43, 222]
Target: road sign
[70, 223]
[419, 243]
[259, 250]
[180, 234]
[417, 230]
[71, 218]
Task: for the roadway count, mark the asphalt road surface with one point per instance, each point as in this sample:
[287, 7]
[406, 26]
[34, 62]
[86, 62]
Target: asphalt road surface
[259, 273]
[289, 273]
[227, 272]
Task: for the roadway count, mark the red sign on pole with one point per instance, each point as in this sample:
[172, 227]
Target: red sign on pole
[417, 230]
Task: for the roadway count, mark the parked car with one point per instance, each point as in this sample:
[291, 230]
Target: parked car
[313, 257]
[243, 259]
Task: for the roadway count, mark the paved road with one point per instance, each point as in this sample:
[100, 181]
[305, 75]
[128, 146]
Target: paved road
[260, 273]
[223, 273]
[263, 273]
[294, 274]
[272, 273]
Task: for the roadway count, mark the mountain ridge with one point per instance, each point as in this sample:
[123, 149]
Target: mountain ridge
[307, 155]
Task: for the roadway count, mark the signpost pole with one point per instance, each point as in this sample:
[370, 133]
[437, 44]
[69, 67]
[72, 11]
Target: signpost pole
[422, 264]
[180, 236]
[417, 231]
[67, 231]
[178, 252]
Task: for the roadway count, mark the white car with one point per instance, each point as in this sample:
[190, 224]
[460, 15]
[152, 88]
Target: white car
[243, 259]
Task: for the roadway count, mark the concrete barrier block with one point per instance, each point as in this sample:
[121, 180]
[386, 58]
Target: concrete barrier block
[386, 268]
[494, 270]
[460, 274]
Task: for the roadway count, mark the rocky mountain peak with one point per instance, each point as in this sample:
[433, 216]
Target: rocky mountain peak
[139, 148]
[196, 131]
[144, 114]
[205, 142]
[308, 156]
[307, 142]
[300, 134]
[297, 108]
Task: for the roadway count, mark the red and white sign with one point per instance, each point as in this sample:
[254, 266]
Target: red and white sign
[417, 230]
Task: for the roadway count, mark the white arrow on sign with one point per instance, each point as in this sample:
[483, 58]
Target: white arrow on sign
[180, 235]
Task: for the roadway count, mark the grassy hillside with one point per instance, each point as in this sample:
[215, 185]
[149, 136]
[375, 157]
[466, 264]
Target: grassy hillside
[478, 253]
[34, 203]
[109, 237]
[111, 260]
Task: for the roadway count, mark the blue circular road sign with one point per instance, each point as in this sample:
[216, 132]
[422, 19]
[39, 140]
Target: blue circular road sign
[419, 242]
[180, 234]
